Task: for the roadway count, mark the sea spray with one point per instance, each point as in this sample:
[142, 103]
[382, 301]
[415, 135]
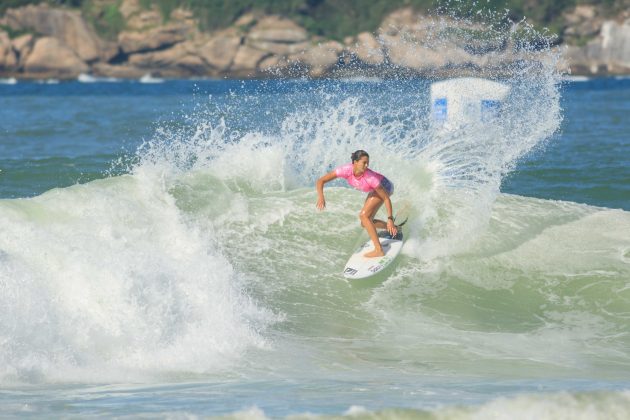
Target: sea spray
[451, 179]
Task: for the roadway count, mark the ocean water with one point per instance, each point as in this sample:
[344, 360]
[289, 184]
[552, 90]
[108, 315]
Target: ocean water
[161, 254]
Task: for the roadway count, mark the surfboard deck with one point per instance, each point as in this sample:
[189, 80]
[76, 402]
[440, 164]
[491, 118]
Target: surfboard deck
[360, 267]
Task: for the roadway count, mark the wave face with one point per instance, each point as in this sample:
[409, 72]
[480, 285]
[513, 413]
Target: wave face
[207, 257]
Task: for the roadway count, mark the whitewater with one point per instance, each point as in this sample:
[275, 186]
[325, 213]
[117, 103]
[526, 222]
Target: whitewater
[193, 275]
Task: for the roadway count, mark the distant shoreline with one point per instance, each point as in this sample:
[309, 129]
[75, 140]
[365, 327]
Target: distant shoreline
[359, 79]
[44, 42]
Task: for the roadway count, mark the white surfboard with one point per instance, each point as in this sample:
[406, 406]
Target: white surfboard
[360, 267]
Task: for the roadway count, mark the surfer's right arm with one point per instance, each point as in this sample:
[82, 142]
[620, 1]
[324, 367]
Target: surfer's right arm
[321, 201]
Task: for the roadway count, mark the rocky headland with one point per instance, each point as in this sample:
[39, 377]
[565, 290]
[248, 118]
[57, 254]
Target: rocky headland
[40, 41]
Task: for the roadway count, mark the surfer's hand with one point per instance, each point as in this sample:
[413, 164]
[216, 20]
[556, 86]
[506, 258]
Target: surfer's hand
[391, 227]
[321, 203]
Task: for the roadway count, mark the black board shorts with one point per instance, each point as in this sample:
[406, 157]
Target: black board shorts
[387, 185]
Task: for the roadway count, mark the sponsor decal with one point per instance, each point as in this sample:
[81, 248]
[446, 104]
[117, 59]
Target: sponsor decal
[375, 268]
[351, 271]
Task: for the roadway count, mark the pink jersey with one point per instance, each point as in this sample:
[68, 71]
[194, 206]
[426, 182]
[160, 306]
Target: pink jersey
[367, 182]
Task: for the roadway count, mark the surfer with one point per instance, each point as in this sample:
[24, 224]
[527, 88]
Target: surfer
[379, 190]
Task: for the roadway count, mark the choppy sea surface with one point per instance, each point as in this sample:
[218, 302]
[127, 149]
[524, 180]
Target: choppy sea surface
[161, 254]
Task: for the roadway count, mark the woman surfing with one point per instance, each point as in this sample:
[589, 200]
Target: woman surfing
[379, 189]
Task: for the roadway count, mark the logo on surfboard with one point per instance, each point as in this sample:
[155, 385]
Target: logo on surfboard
[350, 271]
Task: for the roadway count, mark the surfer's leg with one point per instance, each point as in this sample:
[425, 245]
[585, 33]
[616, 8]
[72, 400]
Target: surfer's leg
[389, 187]
[371, 206]
[379, 224]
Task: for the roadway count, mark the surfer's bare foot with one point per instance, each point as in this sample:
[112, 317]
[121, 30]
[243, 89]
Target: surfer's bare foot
[373, 254]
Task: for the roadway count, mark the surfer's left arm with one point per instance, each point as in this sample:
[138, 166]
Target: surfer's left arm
[391, 226]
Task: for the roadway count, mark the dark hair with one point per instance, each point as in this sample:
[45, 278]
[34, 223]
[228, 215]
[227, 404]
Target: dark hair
[358, 155]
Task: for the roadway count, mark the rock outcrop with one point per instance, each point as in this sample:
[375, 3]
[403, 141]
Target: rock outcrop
[137, 18]
[58, 42]
[52, 58]
[118, 71]
[180, 60]
[247, 59]
[8, 59]
[272, 46]
[321, 58]
[155, 39]
[582, 22]
[276, 30]
[22, 46]
[220, 49]
[68, 26]
[601, 46]
[368, 49]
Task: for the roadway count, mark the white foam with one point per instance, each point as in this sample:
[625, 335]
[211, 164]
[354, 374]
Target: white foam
[106, 281]
[355, 410]
[252, 413]
[363, 79]
[564, 405]
[604, 405]
[88, 78]
[148, 78]
[48, 81]
[570, 78]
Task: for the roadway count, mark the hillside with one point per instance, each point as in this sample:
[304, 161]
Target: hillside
[332, 19]
[315, 38]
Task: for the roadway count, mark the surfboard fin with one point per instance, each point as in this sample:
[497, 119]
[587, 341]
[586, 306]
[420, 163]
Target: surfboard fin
[402, 223]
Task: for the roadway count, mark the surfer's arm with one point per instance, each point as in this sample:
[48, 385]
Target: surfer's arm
[391, 226]
[321, 201]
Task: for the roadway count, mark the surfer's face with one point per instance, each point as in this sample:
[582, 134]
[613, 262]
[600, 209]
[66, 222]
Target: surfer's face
[361, 165]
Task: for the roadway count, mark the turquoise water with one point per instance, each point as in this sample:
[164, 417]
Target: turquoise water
[160, 252]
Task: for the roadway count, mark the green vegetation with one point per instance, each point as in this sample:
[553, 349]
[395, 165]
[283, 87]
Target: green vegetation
[105, 18]
[104, 15]
[12, 32]
[10, 4]
[341, 18]
[165, 6]
[329, 18]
